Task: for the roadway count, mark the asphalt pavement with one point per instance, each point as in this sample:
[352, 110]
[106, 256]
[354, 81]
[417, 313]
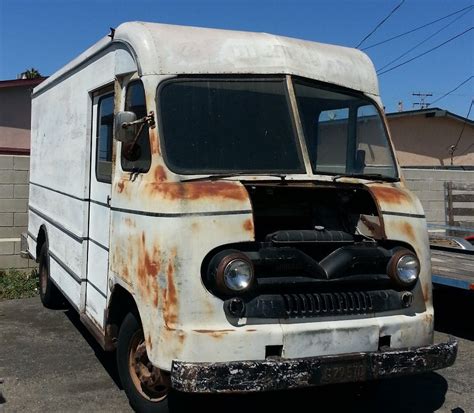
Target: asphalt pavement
[49, 362]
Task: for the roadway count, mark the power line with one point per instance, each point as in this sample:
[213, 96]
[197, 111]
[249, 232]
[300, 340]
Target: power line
[428, 51]
[452, 148]
[417, 28]
[423, 41]
[451, 91]
[380, 24]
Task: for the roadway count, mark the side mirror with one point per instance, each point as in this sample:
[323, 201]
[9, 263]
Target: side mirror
[125, 130]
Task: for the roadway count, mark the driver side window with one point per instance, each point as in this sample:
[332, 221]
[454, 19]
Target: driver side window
[136, 157]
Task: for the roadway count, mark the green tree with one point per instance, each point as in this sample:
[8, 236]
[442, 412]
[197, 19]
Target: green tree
[31, 73]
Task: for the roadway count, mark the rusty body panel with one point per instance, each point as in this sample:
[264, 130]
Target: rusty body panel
[404, 220]
[395, 198]
[156, 263]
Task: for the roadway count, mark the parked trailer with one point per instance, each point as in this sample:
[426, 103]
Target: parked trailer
[452, 256]
[453, 268]
[225, 210]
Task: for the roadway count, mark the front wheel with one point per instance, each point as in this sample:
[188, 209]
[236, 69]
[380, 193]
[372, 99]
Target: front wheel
[146, 386]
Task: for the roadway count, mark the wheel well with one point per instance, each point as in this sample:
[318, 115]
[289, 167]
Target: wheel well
[121, 303]
[42, 238]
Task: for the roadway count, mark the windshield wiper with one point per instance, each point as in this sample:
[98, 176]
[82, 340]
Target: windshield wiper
[230, 175]
[378, 177]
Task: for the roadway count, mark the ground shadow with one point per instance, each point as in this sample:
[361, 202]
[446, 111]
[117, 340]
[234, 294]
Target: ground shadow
[106, 358]
[453, 308]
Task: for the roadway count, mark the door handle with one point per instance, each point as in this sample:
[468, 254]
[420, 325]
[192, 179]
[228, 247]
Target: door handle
[108, 200]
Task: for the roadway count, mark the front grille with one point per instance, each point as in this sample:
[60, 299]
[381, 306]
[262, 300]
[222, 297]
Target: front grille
[318, 304]
[323, 304]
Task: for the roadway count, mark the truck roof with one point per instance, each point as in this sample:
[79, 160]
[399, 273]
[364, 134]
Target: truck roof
[165, 49]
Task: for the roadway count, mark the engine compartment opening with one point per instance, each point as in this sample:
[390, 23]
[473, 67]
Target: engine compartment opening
[348, 210]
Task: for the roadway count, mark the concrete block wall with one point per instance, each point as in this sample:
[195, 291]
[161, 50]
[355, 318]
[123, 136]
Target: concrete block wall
[428, 185]
[14, 177]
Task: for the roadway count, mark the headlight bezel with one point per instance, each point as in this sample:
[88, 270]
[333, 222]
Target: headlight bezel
[393, 268]
[225, 260]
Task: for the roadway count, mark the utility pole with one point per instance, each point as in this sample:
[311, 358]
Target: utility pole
[422, 103]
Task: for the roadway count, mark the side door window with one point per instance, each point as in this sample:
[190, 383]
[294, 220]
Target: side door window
[104, 137]
[137, 157]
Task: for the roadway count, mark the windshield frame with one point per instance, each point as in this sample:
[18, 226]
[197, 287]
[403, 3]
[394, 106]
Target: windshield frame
[232, 78]
[306, 172]
[352, 93]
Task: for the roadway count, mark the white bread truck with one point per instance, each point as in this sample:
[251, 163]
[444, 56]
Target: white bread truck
[225, 210]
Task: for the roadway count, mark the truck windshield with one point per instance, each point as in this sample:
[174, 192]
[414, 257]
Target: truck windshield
[237, 124]
[344, 133]
[222, 125]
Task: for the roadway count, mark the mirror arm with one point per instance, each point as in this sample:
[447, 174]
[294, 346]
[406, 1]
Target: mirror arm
[135, 139]
[150, 119]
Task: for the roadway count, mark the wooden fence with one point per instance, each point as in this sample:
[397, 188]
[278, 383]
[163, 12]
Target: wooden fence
[460, 207]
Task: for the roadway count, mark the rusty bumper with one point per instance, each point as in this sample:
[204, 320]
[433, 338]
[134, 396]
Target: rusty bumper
[280, 374]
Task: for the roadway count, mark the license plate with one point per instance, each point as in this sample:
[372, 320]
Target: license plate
[342, 373]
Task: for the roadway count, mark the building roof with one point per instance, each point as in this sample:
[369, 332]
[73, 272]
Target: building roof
[21, 82]
[164, 49]
[430, 113]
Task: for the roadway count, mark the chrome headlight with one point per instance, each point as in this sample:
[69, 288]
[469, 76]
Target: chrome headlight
[233, 272]
[404, 268]
[238, 275]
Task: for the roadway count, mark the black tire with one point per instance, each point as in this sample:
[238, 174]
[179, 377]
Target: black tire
[141, 398]
[50, 296]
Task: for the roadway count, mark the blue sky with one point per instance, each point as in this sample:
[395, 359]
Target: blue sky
[46, 34]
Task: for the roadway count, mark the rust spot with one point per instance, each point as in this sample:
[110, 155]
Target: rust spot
[129, 222]
[160, 174]
[170, 299]
[198, 190]
[154, 142]
[151, 266]
[119, 263]
[391, 195]
[425, 288]
[428, 318]
[248, 225]
[120, 186]
[250, 330]
[209, 308]
[125, 273]
[407, 229]
[155, 294]
[148, 269]
[149, 343]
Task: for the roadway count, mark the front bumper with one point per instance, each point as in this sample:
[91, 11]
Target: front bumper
[280, 374]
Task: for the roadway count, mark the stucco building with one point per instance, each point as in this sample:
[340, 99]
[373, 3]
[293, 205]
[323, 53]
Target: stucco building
[425, 137]
[15, 115]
